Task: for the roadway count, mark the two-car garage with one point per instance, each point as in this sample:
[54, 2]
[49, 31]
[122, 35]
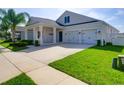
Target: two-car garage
[83, 36]
[71, 37]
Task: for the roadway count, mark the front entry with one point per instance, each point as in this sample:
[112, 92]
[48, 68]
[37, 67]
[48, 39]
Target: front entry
[60, 36]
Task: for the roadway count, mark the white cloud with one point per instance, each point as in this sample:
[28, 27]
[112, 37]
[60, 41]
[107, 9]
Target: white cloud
[96, 15]
[120, 12]
[111, 18]
[120, 27]
[101, 16]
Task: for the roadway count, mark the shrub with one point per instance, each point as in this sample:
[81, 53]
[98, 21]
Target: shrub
[104, 43]
[12, 44]
[98, 42]
[22, 44]
[108, 43]
[18, 44]
[30, 42]
[36, 43]
[18, 39]
[9, 40]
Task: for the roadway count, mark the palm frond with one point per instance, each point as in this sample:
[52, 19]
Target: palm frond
[11, 15]
[3, 12]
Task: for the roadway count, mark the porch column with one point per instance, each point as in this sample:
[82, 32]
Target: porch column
[54, 35]
[34, 34]
[102, 39]
[26, 34]
[41, 34]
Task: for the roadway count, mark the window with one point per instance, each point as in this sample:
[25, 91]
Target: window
[66, 19]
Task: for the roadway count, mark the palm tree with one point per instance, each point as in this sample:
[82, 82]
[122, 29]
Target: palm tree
[4, 26]
[3, 23]
[14, 19]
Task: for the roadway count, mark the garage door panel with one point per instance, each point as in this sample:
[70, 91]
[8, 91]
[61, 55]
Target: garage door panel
[72, 37]
[88, 36]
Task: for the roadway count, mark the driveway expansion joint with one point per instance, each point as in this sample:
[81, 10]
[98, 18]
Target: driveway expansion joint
[12, 63]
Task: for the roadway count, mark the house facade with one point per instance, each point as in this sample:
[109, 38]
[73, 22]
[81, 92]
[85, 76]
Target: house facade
[70, 27]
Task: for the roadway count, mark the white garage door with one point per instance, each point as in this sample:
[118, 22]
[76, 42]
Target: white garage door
[71, 37]
[88, 36]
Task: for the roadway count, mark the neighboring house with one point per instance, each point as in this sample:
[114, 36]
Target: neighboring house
[118, 39]
[70, 27]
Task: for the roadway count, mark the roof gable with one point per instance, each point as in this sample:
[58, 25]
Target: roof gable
[74, 18]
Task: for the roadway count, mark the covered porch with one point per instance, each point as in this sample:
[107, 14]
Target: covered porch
[44, 34]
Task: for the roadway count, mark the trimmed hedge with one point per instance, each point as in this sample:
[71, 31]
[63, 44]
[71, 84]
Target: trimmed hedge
[104, 43]
[9, 40]
[98, 42]
[18, 44]
[36, 43]
[108, 43]
[30, 42]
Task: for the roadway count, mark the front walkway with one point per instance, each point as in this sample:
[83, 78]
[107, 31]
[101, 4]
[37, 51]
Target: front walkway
[41, 73]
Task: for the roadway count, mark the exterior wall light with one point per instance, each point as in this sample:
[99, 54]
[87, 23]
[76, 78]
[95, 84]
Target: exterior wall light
[79, 32]
[99, 32]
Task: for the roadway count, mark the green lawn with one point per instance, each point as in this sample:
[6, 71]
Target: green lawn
[93, 65]
[13, 48]
[22, 79]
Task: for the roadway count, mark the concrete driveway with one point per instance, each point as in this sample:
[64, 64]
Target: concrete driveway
[33, 61]
[50, 53]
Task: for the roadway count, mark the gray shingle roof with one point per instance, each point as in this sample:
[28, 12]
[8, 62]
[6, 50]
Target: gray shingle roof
[35, 20]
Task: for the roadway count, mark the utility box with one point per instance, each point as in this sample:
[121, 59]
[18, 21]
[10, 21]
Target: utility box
[114, 63]
[121, 61]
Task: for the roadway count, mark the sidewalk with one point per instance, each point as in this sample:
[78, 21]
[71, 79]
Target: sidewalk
[7, 70]
[12, 64]
[3, 49]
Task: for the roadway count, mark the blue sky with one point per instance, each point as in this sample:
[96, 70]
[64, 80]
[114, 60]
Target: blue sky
[113, 16]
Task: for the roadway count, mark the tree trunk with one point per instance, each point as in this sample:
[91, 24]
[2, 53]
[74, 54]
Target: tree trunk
[13, 36]
[6, 35]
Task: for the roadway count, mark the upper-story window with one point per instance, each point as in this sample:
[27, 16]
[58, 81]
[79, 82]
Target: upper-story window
[66, 19]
